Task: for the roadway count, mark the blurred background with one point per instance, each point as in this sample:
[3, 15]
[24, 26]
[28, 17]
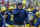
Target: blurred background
[32, 3]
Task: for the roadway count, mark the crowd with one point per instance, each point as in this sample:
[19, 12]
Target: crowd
[20, 15]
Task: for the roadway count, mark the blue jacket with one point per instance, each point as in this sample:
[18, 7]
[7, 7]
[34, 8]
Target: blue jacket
[1, 20]
[19, 16]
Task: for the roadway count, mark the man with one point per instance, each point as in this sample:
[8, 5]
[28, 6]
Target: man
[1, 19]
[31, 21]
[3, 10]
[20, 15]
[9, 17]
[37, 16]
[35, 10]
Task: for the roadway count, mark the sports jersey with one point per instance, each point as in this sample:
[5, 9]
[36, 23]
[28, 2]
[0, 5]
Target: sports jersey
[37, 15]
[9, 18]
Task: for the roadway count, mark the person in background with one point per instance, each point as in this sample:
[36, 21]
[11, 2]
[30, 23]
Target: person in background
[35, 10]
[9, 17]
[37, 16]
[1, 19]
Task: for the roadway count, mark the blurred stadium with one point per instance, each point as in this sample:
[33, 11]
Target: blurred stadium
[32, 6]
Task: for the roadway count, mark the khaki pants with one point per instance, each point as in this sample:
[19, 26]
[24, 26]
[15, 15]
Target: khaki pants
[18, 25]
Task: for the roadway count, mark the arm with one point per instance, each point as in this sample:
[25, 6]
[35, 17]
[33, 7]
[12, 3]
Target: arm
[5, 15]
[1, 20]
[29, 18]
[16, 12]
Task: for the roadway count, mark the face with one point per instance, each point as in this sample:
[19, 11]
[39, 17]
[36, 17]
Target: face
[39, 9]
[14, 6]
[20, 6]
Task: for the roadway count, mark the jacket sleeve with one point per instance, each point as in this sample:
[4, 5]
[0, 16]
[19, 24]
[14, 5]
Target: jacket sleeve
[1, 20]
[15, 12]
